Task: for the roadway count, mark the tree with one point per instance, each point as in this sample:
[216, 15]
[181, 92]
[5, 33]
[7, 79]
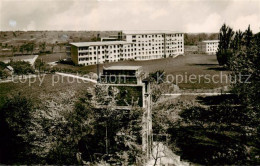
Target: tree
[194, 39]
[15, 119]
[225, 37]
[212, 136]
[52, 47]
[3, 74]
[29, 47]
[58, 127]
[237, 43]
[225, 129]
[39, 64]
[21, 67]
[2, 65]
[42, 46]
[64, 129]
[158, 152]
[21, 49]
[14, 34]
[116, 135]
[14, 49]
[248, 38]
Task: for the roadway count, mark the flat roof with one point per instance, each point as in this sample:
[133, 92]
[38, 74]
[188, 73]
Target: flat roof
[31, 59]
[84, 44]
[108, 38]
[18, 58]
[210, 41]
[149, 32]
[122, 68]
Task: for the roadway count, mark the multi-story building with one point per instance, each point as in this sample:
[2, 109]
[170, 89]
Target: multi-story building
[208, 46]
[90, 53]
[133, 45]
[155, 44]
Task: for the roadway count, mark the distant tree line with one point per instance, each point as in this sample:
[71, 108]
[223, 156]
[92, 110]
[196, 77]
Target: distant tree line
[34, 48]
[195, 38]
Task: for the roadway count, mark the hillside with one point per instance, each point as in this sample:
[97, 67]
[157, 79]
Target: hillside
[11, 42]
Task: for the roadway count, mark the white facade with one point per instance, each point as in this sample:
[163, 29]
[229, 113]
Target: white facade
[155, 44]
[208, 46]
[137, 46]
[90, 53]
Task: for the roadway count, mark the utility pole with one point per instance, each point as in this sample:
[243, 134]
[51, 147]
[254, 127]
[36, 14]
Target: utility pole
[147, 140]
[98, 80]
[106, 140]
[164, 44]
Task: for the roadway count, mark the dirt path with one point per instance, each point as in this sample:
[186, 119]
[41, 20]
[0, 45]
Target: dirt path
[194, 94]
[77, 77]
[162, 155]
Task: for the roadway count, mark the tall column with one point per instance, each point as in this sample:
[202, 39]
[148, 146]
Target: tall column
[147, 119]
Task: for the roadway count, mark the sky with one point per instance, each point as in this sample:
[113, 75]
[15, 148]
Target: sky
[190, 16]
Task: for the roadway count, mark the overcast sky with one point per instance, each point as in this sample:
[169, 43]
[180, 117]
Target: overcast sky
[177, 15]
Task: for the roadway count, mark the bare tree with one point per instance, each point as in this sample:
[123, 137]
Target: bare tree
[158, 152]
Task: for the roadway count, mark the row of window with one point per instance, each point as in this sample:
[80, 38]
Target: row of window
[104, 47]
[126, 55]
[139, 51]
[125, 50]
[155, 41]
[102, 61]
[212, 50]
[212, 46]
[212, 43]
[144, 57]
[129, 46]
[149, 36]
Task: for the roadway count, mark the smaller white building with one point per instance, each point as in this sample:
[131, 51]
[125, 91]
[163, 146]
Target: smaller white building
[208, 46]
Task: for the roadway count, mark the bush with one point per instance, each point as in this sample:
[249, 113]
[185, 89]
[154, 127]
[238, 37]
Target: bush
[67, 62]
[22, 67]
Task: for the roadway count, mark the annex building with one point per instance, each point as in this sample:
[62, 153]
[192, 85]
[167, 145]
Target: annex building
[131, 88]
[208, 46]
[134, 45]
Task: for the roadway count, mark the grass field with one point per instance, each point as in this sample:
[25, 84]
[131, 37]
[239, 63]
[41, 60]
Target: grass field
[194, 64]
[52, 57]
[51, 85]
[185, 66]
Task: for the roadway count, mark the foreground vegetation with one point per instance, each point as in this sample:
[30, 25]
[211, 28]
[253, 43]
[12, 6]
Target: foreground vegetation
[41, 125]
[69, 130]
[222, 129]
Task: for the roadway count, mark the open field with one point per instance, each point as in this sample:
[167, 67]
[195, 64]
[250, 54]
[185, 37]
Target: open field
[50, 86]
[184, 65]
[11, 41]
[52, 57]
[193, 64]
